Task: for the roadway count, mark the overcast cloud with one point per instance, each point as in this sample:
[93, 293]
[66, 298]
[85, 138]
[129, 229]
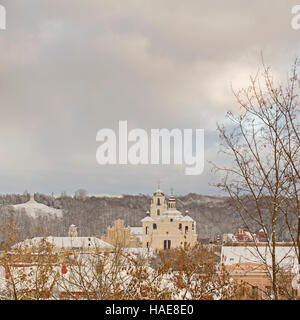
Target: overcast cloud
[71, 67]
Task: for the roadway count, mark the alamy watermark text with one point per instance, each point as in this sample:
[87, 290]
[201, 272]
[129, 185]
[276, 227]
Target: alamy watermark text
[134, 147]
[2, 18]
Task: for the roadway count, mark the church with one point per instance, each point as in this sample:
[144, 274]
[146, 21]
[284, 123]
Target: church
[165, 227]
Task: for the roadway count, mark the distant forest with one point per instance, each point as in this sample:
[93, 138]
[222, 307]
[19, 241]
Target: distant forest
[92, 215]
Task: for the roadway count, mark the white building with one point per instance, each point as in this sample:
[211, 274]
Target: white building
[166, 227]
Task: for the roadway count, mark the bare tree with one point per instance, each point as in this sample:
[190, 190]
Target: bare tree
[262, 140]
[80, 194]
[30, 272]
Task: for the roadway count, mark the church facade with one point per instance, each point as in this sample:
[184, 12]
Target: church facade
[165, 227]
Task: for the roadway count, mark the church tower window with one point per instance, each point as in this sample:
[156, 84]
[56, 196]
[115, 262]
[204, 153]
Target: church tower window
[158, 212]
[158, 201]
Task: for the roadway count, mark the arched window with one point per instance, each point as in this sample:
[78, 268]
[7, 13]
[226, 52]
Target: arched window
[180, 226]
[158, 212]
[158, 201]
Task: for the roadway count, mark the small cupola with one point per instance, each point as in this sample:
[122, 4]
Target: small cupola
[172, 201]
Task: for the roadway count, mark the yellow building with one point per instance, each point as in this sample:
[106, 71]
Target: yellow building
[166, 227]
[120, 236]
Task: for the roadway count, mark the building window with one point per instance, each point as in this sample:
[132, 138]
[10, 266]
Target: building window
[193, 227]
[158, 212]
[154, 226]
[180, 226]
[254, 291]
[167, 244]
[171, 220]
[147, 244]
[186, 229]
[146, 230]
[158, 201]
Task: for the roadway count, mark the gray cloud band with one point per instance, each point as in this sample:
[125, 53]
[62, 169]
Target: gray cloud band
[70, 68]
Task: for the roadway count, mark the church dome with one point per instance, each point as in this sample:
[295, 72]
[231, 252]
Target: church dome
[158, 192]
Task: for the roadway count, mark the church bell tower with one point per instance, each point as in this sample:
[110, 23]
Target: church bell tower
[158, 203]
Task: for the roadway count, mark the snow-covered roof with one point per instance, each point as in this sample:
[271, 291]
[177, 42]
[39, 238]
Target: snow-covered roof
[167, 217]
[158, 192]
[137, 231]
[147, 219]
[172, 212]
[251, 236]
[141, 251]
[285, 255]
[35, 209]
[229, 236]
[66, 242]
[187, 218]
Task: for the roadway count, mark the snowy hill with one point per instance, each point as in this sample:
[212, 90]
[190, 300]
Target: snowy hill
[34, 209]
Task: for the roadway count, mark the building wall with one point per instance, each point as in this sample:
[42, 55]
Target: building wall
[120, 236]
[256, 285]
[168, 230]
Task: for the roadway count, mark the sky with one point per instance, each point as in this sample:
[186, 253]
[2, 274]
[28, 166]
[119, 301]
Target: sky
[69, 68]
